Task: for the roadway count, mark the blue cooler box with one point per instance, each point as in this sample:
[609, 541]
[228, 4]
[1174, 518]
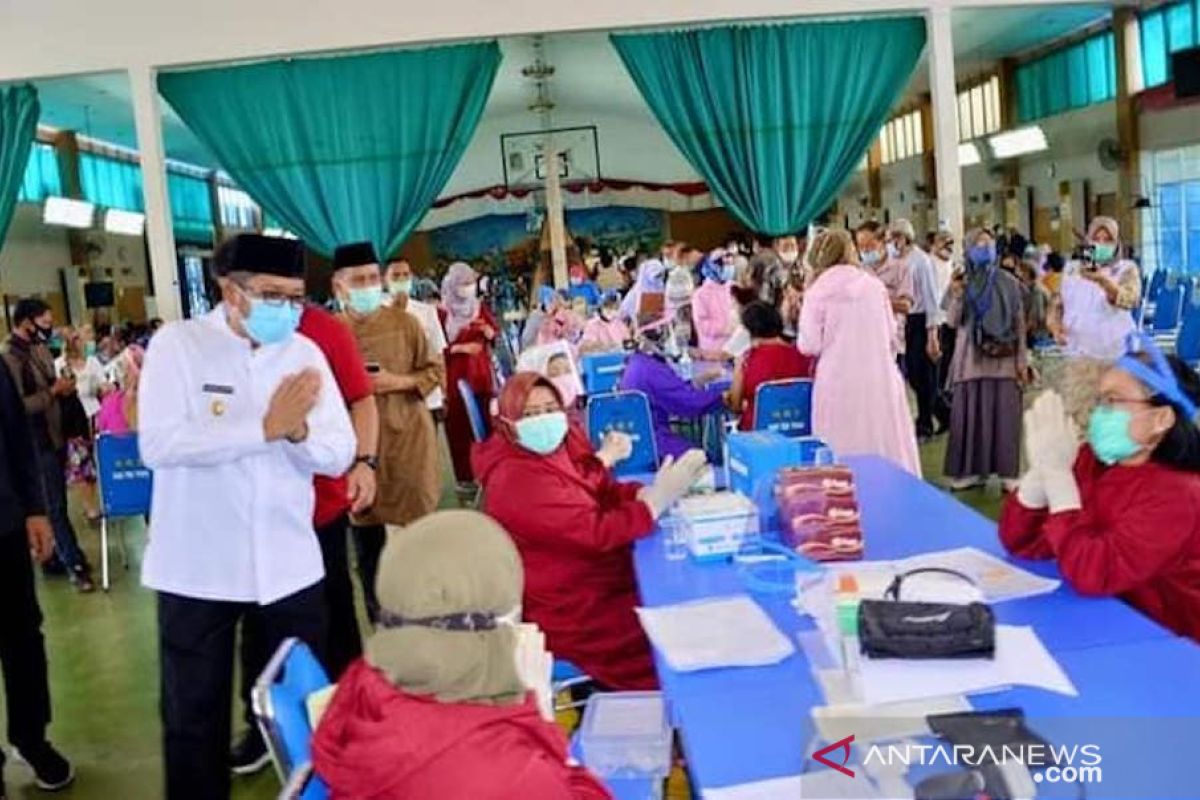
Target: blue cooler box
[602, 371]
[753, 461]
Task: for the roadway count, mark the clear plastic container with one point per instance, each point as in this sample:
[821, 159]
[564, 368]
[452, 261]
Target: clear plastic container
[626, 735]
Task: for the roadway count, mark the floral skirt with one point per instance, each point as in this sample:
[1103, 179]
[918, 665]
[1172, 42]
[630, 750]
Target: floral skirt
[81, 463]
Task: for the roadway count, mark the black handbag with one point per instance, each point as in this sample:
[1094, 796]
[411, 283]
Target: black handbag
[892, 628]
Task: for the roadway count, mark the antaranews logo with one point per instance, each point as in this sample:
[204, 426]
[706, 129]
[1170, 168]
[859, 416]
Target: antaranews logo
[842, 745]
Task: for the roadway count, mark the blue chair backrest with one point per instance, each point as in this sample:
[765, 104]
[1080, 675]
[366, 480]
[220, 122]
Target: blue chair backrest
[1187, 346]
[125, 482]
[784, 406]
[1168, 306]
[474, 414]
[628, 412]
[291, 676]
[1157, 281]
[602, 371]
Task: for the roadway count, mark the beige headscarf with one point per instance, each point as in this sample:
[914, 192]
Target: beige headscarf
[446, 564]
[1107, 224]
[830, 248]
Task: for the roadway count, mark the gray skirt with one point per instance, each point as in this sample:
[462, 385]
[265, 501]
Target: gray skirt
[985, 429]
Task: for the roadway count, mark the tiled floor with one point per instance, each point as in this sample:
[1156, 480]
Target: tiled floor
[103, 672]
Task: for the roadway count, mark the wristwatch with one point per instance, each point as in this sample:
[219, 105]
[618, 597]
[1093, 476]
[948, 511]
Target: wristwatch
[371, 461]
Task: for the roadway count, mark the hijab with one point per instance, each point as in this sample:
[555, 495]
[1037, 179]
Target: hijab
[437, 578]
[461, 311]
[514, 396]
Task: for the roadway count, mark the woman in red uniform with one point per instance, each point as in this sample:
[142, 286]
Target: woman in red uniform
[574, 526]
[438, 707]
[470, 331]
[770, 358]
[1121, 514]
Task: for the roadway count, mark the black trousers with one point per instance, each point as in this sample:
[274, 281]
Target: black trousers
[22, 649]
[949, 340]
[368, 545]
[196, 641]
[343, 643]
[922, 374]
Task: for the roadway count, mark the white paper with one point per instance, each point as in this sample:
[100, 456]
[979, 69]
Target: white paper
[823, 785]
[998, 579]
[717, 632]
[883, 723]
[634, 716]
[1021, 659]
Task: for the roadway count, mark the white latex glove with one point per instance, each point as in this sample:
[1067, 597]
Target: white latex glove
[1032, 491]
[1051, 445]
[672, 482]
[615, 448]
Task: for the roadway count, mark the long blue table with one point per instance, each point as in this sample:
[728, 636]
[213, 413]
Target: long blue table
[741, 725]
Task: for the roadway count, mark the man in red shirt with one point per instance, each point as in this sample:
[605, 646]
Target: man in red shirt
[336, 499]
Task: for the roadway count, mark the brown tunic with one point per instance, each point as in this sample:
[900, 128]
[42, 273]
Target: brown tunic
[409, 481]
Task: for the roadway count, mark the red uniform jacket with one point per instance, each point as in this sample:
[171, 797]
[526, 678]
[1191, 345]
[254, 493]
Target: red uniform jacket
[574, 525]
[376, 742]
[1137, 537]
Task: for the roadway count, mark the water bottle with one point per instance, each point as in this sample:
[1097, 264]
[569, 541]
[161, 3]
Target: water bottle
[685, 366]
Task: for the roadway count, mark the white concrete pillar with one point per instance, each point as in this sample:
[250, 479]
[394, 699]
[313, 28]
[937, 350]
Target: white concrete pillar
[554, 217]
[944, 91]
[148, 119]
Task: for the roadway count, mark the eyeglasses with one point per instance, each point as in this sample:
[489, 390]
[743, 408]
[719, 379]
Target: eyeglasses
[274, 298]
[1111, 400]
[542, 410]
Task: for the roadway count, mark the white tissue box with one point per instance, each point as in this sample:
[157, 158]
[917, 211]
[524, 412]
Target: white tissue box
[719, 523]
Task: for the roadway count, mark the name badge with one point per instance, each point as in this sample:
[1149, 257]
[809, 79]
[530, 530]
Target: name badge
[216, 388]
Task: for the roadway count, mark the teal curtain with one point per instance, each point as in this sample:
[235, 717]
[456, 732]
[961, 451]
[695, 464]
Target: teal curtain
[42, 178]
[191, 208]
[775, 118]
[341, 149]
[1074, 76]
[19, 112]
[1165, 30]
[111, 182]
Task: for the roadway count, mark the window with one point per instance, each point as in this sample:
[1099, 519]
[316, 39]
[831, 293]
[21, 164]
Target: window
[979, 109]
[1165, 30]
[42, 178]
[1071, 77]
[237, 209]
[1171, 232]
[191, 208]
[902, 137]
[111, 182]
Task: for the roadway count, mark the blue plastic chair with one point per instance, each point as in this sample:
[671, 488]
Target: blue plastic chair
[1168, 306]
[1187, 346]
[125, 487]
[279, 699]
[628, 412]
[602, 371]
[474, 414]
[784, 406]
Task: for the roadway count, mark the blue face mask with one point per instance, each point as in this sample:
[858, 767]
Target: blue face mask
[727, 273]
[1108, 434]
[870, 258]
[980, 255]
[1104, 252]
[893, 250]
[271, 323]
[401, 286]
[365, 300]
[542, 434]
[89, 349]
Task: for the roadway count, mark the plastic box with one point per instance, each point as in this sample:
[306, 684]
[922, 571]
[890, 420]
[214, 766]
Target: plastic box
[753, 461]
[820, 513]
[626, 735]
[602, 371]
[718, 524]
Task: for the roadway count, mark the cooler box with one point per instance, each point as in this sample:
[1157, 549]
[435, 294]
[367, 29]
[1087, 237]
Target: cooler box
[602, 371]
[753, 461]
[718, 524]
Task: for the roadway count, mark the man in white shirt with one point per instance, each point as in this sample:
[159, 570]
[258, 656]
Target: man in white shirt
[922, 349]
[236, 415]
[400, 282]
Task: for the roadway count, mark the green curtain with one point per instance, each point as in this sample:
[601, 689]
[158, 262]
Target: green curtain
[191, 208]
[341, 149]
[19, 112]
[111, 182]
[42, 178]
[775, 117]
[1071, 77]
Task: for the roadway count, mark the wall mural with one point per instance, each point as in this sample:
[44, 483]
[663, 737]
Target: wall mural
[513, 239]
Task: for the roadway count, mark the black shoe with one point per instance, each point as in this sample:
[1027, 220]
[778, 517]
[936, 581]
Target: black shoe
[250, 754]
[81, 579]
[51, 771]
[54, 567]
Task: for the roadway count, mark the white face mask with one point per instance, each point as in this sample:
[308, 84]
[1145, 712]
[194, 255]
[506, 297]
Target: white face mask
[466, 292]
[789, 256]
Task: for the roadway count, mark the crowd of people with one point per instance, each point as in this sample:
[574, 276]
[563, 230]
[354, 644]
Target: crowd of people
[283, 435]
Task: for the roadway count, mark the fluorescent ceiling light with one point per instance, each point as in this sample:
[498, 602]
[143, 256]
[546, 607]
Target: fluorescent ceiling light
[968, 154]
[130, 223]
[1019, 142]
[71, 213]
[278, 233]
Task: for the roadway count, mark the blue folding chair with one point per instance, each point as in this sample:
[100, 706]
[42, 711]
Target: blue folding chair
[627, 412]
[784, 406]
[474, 414]
[279, 699]
[1187, 346]
[125, 487]
[1168, 305]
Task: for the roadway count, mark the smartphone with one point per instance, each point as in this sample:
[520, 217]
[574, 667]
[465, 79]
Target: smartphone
[373, 368]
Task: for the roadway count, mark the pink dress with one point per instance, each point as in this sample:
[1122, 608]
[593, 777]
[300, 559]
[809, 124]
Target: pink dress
[600, 335]
[859, 404]
[712, 310]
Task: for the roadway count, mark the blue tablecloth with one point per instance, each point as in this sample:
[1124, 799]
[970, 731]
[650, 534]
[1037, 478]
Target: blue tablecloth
[741, 725]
